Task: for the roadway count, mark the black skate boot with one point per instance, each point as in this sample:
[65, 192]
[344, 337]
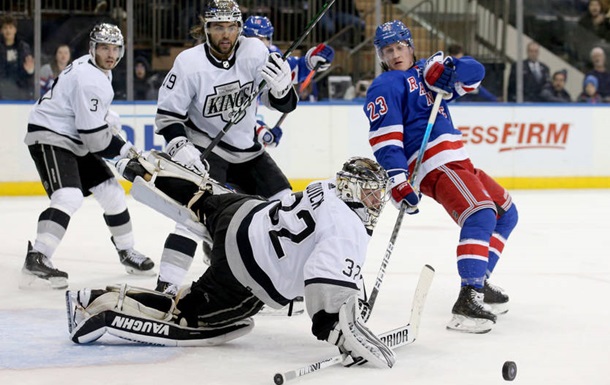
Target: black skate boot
[135, 262]
[38, 272]
[166, 288]
[470, 313]
[495, 297]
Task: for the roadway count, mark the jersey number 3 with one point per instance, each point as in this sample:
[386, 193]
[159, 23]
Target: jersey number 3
[377, 109]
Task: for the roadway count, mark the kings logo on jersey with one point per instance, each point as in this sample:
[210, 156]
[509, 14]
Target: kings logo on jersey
[226, 99]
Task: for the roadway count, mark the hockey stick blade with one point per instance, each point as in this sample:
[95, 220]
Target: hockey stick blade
[395, 338]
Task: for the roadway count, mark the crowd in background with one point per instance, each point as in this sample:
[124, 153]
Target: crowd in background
[540, 84]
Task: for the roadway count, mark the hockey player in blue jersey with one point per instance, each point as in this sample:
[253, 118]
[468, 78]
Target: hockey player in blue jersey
[398, 106]
[260, 27]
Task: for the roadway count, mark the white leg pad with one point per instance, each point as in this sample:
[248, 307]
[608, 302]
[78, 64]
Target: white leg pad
[148, 194]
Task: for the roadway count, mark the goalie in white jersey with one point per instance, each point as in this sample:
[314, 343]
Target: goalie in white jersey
[70, 131]
[197, 99]
[311, 243]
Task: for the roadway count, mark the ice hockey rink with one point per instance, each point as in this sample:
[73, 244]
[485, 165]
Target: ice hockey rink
[556, 269]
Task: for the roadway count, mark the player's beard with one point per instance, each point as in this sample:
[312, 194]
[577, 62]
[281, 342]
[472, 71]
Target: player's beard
[223, 52]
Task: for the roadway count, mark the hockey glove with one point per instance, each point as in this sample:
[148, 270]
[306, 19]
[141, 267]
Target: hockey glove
[356, 342]
[277, 74]
[184, 152]
[439, 74]
[402, 191]
[323, 54]
[268, 136]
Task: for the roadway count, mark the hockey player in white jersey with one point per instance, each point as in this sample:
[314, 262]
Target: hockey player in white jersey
[311, 243]
[199, 95]
[70, 131]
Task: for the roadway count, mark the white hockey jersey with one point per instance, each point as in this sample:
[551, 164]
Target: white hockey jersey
[309, 243]
[201, 93]
[72, 113]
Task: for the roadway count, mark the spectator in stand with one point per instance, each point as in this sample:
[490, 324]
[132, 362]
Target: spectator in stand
[343, 14]
[555, 91]
[50, 71]
[16, 64]
[535, 75]
[145, 85]
[598, 60]
[589, 93]
[481, 93]
[595, 20]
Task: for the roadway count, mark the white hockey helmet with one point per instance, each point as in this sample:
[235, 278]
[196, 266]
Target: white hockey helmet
[221, 11]
[363, 185]
[106, 33]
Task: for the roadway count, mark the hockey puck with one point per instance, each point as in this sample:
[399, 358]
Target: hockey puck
[278, 379]
[509, 370]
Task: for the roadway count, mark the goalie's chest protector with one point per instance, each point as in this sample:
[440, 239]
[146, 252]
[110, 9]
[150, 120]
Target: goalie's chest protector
[218, 88]
[277, 248]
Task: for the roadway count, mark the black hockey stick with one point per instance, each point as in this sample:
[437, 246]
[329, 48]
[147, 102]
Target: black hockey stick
[395, 338]
[237, 115]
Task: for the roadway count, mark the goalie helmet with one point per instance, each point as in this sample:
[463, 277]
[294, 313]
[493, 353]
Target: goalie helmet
[363, 185]
[106, 33]
[258, 26]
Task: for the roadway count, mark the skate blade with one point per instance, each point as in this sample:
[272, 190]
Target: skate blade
[134, 271]
[29, 281]
[498, 308]
[464, 324]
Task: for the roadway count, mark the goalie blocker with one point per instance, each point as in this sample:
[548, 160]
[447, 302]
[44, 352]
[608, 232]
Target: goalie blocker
[139, 315]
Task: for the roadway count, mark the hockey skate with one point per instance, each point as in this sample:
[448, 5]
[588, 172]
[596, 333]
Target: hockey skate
[135, 262]
[470, 313]
[167, 288]
[496, 298]
[38, 272]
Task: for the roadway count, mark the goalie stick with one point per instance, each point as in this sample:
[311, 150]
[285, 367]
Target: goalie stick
[395, 338]
[239, 113]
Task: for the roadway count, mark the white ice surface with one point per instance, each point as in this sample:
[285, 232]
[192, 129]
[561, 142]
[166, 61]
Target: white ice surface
[556, 269]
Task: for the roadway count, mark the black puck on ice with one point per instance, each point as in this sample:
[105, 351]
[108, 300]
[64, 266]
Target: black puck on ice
[509, 370]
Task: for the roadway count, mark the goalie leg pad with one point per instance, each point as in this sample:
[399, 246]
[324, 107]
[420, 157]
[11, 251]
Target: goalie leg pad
[139, 315]
[168, 167]
[146, 193]
[150, 331]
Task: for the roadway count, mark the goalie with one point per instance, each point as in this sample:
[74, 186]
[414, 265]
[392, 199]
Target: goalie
[311, 243]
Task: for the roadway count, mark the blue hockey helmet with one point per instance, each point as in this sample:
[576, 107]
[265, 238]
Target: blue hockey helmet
[392, 32]
[258, 26]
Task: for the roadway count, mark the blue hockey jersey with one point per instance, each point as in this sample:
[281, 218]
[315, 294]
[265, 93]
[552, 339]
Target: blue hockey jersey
[398, 106]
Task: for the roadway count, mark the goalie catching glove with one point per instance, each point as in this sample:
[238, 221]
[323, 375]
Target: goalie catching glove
[268, 136]
[278, 76]
[184, 152]
[402, 191]
[356, 342]
[322, 54]
[439, 74]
